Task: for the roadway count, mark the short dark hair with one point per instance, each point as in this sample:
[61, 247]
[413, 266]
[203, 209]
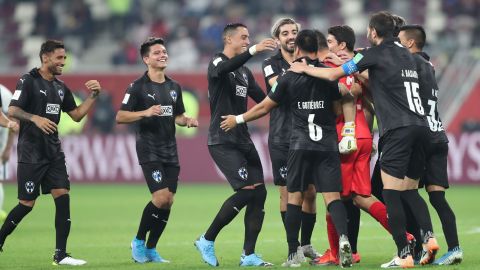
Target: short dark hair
[307, 41]
[322, 40]
[383, 23]
[343, 33]
[230, 28]
[275, 31]
[50, 46]
[399, 22]
[417, 33]
[149, 42]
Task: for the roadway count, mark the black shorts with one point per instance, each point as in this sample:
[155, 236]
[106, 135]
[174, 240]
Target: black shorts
[279, 157]
[161, 175]
[435, 165]
[31, 177]
[240, 163]
[320, 168]
[403, 151]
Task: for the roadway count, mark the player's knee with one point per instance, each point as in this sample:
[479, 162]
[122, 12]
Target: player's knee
[27, 203]
[164, 201]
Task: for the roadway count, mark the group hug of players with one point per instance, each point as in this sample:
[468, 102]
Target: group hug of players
[322, 96]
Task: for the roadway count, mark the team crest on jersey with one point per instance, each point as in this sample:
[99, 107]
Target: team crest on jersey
[157, 176]
[283, 172]
[173, 94]
[29, 187]
[243, 173]
[61, 94]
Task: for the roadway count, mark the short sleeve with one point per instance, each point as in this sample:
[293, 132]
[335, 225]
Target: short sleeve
[361, 61]
[68, 103]
[179, 106]
[21, 95]
[270, 69]
[129, 101]
[279, 90]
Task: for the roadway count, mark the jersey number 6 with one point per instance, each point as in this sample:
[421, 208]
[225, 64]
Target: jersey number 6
[315, 131]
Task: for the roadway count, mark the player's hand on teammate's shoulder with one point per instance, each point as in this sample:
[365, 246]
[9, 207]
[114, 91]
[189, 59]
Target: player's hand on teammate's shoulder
[298, 66]
[94, 87]
[229, 123]
[12, 125]
[45, 124]
[266, 44]
[192, 122]
[155, 110]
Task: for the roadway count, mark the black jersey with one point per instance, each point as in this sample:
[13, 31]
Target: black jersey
[311, 104]
[155, 135]
[429, 96]
[280, 117]
[229, 84]
[393, 80]
[37, 96]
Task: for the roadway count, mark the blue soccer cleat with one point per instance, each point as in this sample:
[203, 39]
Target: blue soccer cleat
[253, 260]
[139, 251]
[207, 250]
[153, 256]
[454, 256]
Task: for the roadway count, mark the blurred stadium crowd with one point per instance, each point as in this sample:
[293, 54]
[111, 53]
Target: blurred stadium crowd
[104, 35]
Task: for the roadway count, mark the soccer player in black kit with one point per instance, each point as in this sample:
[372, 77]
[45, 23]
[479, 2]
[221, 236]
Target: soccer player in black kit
[229, 84]
[38, 99]
[313, 156]
[154, 103]
[393, 80]
[284, 31]
[435, 177]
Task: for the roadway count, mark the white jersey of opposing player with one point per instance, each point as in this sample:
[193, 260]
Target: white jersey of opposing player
[6, 97]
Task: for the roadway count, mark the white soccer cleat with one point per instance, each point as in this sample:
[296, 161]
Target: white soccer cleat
[295, 259]
[396, 262]
[310, 252]
[69, 261]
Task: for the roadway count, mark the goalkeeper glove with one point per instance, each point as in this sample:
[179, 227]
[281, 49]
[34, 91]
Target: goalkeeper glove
[348, 144]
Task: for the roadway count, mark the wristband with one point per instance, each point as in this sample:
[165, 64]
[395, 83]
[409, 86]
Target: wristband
[239, 119]
[253, 50]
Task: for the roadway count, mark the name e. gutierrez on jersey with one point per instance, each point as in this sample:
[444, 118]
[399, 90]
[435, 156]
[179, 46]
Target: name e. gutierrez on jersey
[310, 105]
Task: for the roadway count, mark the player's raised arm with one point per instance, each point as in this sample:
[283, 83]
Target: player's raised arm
[330, 74]
[224, 66]
[258, 111]
[79, 112]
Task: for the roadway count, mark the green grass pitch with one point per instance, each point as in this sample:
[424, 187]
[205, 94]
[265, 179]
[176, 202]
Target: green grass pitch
[105, 219]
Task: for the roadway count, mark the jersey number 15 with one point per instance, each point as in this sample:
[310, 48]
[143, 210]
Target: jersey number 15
[414, 101]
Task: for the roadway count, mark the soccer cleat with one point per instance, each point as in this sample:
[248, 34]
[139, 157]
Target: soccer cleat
[295, 259]
[397, 262]
[429, 251]
[66, 259]
[253, 260]
[326, 259]
[454, 256]
[310, 252]
[345, 252]
[356, 257]
[207, 250]
[138, 251]
[153, 256]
